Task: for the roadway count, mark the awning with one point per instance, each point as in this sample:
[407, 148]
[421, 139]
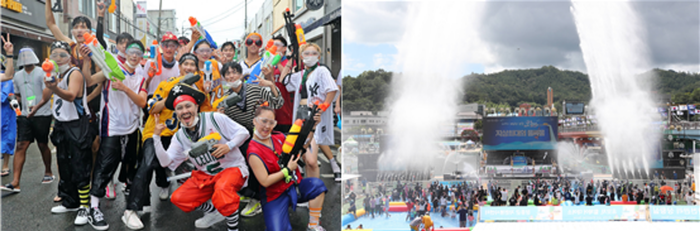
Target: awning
[326, 19]
[27, 33]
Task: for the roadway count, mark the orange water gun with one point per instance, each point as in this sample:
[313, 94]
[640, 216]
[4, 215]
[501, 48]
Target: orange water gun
[156, 59]
[294, 143]
[112, 7]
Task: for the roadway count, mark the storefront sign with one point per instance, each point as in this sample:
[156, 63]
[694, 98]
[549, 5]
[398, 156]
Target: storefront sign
[12, 5]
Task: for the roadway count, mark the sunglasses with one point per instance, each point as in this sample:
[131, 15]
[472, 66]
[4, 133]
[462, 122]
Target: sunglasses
[279, 44]
[251, 41]
[57, 55]
[267, 121]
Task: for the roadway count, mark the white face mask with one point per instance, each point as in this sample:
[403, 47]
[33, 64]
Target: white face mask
[310, 60]
[63, 68]
[235, 84]
[194, 122]
[129, 64]
[260, 136]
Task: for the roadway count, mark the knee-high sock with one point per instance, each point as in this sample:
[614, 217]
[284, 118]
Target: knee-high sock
[206, 207]
[84, 195]
[314, 215]
[232, 222]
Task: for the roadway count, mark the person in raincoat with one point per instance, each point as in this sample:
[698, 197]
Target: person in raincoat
[9, 126]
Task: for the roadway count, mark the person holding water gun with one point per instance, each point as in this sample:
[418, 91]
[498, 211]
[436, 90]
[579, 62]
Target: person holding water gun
[28, 87]
[120, 136]
[209, 70]
[279, 189]
[242, 113]
[70, 133]
[251, 64]
[315, 82]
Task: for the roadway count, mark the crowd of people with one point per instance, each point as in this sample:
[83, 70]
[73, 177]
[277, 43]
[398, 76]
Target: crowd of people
[154, 119]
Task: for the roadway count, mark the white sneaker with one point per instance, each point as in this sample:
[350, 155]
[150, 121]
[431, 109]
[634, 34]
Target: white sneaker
[208, 220]
[147, 209]
[305, 204]
[315, 228]
[252, 208]
[131, 220]
[164, 193]
[110, 193]
[62, 209]
[82, 217]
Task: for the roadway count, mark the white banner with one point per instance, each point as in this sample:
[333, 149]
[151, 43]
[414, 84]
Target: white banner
[683, 107]
[141, 10]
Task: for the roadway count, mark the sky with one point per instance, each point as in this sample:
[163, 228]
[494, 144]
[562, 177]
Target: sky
[518, 35]
[223, 19]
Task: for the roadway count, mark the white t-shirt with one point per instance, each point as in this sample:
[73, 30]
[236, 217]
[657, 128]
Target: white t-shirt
[232, 133]
[318, 84]
[120, 115]
[245, 69]
[31, 84]
[165, 75]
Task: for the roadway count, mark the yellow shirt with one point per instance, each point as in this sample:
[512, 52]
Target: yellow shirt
[217, 92]
[427, 222]
[167, 115]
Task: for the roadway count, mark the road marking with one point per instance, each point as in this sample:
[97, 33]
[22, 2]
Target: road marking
[327, 176]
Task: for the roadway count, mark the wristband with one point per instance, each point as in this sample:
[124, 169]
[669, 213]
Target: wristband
[9, 56]
[287, 177]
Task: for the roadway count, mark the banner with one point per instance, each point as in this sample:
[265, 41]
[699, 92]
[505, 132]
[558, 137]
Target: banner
[683, 107]
[675, 212]
[520, 133]
[691, 107]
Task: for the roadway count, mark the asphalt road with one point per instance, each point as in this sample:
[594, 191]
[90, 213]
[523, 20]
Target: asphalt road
[31, 208]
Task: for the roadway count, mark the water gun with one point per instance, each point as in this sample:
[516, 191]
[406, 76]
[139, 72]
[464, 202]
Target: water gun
[229, 101]
[291, 28]
[205, 146]
[300, 35]
[204, 34]
[112, 7]
[103, 59]
[270, 57]
[156, 59]
[207, 72]
[49, 66]
[294, 143]
[14, 103]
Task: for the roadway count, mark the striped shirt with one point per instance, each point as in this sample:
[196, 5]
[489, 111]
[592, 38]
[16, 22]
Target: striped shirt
[252, 93]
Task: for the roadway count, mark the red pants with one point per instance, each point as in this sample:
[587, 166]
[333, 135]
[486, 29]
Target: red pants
[222, 189]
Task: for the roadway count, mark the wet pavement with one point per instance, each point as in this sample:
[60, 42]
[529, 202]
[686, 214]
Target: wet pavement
[31, 208]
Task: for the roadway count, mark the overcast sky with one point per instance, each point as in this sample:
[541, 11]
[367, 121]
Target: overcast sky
[520, 35]
[223, 19]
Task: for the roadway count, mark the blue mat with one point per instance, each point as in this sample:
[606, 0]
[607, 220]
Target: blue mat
[397, 221]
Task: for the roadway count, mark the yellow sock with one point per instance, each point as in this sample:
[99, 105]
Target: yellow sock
[84, 196]
[314, 215]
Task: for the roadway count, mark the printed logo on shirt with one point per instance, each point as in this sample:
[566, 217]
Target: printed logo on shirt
[314, 89]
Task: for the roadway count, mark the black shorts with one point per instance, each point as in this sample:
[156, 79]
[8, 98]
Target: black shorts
[35, 128]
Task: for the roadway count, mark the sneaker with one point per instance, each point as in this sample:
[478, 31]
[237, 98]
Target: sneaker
[126, 189]
[147, 209]
[252, 208]
[208, 220]
[338, 176]
[97, 219]
[305, 204]
[82, 217]
[131, 220]
[164, 193]
[110, 193]
[315, 228]
[62, 209]
[245, 199]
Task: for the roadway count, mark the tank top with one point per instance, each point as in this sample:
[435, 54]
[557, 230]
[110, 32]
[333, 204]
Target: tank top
[65, 111]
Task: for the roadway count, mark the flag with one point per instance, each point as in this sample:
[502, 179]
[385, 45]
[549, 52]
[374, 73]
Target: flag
[697, 111]
[674, 108]
[679, 113]
[692, 112]
[662, 109]
[664, 114]
[682, 107]
[691, 107]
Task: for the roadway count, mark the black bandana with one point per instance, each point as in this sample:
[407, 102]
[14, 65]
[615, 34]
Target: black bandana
[190, 56]
[60, 44]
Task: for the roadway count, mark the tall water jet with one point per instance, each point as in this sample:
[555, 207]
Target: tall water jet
[614, 49]
[431, 56]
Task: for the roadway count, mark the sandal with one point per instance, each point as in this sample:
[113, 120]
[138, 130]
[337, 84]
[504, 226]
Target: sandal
[5, 172]
[9, 187]
[57, 199]
[47, 179]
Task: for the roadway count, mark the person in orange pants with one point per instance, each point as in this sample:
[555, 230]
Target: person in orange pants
[220, 168]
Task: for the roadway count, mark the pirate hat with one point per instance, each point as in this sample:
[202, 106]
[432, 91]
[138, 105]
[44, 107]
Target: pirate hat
[183, 92]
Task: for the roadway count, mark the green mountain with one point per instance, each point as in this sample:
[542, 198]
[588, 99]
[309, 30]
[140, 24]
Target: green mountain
[369, 90]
